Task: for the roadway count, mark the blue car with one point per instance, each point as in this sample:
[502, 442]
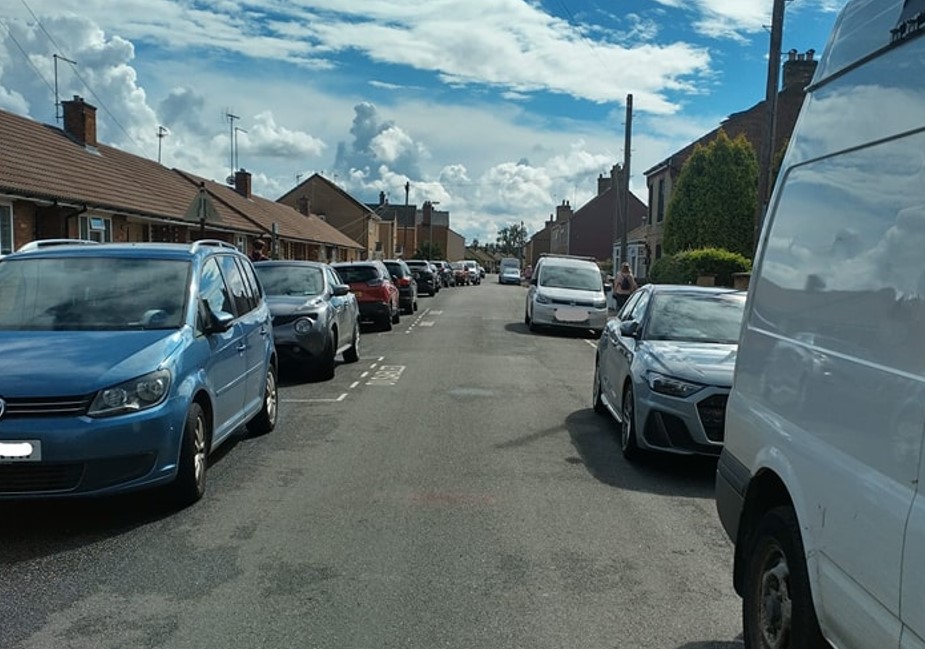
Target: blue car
[123, 366]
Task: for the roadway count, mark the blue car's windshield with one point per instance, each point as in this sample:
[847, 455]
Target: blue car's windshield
[714, 318]
[92, 293]
[291, 279]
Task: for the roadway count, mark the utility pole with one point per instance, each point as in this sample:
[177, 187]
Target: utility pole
[57, 99]
[624, 195]
[770, 127]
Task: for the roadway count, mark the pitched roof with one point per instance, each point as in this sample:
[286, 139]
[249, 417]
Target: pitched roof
[316, 177]
[42, 162]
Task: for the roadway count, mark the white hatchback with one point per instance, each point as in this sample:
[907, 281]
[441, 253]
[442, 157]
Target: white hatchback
[567, 293]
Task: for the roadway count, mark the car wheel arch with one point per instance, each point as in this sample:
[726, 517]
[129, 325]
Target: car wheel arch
[204, 400]
[766, 490]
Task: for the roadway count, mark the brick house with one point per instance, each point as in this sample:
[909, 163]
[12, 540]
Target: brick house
[64, 183]
[318, 195]
[798, 71]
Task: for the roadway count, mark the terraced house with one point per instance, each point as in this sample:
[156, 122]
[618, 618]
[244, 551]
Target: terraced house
[64, 183]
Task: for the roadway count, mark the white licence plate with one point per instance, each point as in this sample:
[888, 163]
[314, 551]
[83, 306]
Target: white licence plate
[570, 314]
[21, 451]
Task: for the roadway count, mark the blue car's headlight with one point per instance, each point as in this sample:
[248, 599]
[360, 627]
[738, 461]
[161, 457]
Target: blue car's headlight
[541, 299]
[144, 392]
[671, 386]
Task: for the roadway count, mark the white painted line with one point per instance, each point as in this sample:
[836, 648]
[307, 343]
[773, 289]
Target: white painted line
[364, 375]
[427, 323]
[436, 312]
[381, 358]
[354, 384]
[373, 366]
[592, 343]
[313, 400]
[341, 397]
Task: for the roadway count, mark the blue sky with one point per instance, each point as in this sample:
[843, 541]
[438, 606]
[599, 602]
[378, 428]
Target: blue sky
[498, 109]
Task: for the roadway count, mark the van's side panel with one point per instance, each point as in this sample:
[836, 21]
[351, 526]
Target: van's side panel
[831, 366]
[913, 585]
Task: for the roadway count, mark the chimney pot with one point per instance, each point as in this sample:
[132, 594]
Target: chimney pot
[792, 55]
[810, 54]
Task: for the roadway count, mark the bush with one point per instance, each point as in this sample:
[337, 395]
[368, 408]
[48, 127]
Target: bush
[685, 267]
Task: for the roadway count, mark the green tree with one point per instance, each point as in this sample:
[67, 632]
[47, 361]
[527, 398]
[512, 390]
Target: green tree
[714, 203]
[428, 251]
[511, 239]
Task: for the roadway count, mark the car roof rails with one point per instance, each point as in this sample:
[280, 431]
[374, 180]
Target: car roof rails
[555, 255]
[48, 243]
[215, 243]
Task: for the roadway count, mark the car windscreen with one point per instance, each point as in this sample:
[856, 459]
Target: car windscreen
[394, 269]
[714, 318]
[355, 274]
[580, 278]
[291, 279]
[92, 293]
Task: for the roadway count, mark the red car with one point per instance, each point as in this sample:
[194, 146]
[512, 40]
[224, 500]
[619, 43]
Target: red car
[377, 295]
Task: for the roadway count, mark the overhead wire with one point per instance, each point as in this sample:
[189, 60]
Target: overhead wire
[38, 73]
[99, 101]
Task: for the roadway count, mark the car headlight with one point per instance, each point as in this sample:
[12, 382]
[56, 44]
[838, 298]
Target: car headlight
[303, 325]
[138, 394]
[541, 299]
[600, 304]
[671, 386]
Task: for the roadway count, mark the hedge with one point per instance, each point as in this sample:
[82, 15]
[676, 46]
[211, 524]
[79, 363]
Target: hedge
[685, 267]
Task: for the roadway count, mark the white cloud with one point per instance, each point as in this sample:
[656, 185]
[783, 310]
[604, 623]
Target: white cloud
[268, 139]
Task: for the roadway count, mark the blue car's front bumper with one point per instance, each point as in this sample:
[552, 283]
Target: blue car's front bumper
[83, 455]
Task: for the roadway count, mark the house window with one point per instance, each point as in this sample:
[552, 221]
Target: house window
[6, 229]
[96, 228]
[661, 200]
[240, 242]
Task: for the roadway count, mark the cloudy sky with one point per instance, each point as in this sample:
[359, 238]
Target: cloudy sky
[498, 109]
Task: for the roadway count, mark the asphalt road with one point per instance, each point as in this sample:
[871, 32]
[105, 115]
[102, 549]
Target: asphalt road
[452, 489]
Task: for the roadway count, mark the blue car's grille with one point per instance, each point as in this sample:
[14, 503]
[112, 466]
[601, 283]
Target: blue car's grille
[28, 477]
[46, 407]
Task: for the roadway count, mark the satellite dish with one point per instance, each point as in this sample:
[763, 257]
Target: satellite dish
[229, 180]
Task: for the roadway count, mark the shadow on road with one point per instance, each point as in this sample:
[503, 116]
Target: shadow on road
[595, 438]
[714, 644]
[521, 328]
[32, 529]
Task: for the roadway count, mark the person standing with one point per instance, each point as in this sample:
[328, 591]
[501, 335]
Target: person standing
[259, 251]
[623, 285]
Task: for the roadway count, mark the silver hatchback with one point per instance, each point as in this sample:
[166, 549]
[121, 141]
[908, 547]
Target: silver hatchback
[664, 368]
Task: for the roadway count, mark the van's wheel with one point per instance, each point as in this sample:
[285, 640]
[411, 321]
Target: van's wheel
[190, 484]
[777, 606]
[265, 420]
[628, 444]
[352, 353]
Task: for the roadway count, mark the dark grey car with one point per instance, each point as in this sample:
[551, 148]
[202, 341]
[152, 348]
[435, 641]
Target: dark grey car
[315, 316]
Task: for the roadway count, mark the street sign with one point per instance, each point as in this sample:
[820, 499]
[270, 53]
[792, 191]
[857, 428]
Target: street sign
[202, 208]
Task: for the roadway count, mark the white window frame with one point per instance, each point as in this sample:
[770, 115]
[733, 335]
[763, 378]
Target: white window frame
[7, 247]
[86, 232]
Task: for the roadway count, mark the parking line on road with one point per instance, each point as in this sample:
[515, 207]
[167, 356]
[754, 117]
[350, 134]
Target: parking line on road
[364, 375]
[592, 343]
[340, 398]
[381, 358]
[354, 384]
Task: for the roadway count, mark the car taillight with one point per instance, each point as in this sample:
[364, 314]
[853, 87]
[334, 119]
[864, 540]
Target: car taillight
[404, 281]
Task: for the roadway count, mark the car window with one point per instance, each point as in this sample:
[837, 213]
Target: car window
[333, 279]
[291, 279]
[696, 317]
[93, 293]
[639, 309]
[256, 289]
[212, 289]
[571, 276]
[236, 285]
[354, 274]
[627, 309]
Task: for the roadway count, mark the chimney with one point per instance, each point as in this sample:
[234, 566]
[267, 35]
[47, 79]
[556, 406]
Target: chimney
[382, 198]
[242, 183]
[799, 69]
[428, 210]
[80, 121]
[303, 206]
[407, 190]
[563, 212]
[603, 184]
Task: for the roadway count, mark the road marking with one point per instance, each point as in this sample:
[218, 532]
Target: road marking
[427, 323]
[354, 384]
[373, 366]
[386, 375]
[436, 312]
[340, 398]
[381, 358]
[364, 375]
[592, 343]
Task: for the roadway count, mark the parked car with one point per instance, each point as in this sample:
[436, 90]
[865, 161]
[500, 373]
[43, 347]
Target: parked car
[406, 282]
[445, 273]
[460, 273]
[426, 276]
[315, 316]
[509, 275]
[376, 293]
[566, 292]
[820, 482]
[124, 366]
[472, 268]
[47, 243]
[663, 368]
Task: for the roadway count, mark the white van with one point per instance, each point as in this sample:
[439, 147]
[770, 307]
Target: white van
[819, 481]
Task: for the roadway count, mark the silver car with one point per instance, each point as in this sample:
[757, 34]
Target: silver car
[664, 368]
[315, 316]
